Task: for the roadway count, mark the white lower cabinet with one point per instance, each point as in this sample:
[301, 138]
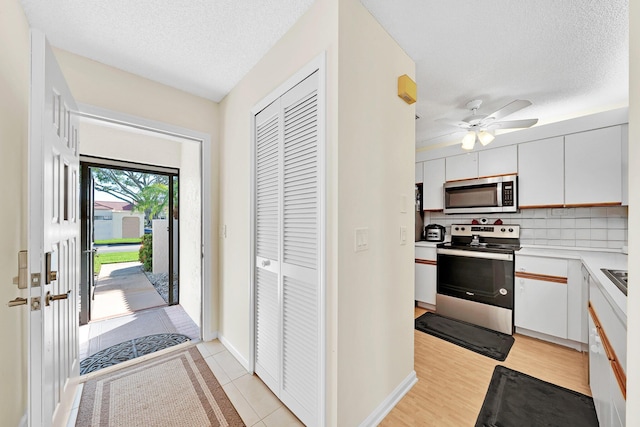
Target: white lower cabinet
[541, 295]
[425, 279]
[607, 393]
[599, 368]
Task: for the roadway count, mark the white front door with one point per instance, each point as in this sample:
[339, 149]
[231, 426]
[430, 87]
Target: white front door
[54, 239]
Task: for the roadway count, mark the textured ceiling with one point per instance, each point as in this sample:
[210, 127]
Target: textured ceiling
[203, 47]
[568, 57]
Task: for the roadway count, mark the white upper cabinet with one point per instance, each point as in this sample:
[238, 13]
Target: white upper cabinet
[593, 167]
[541, 173]
[432, 188]
[419, 166]
[462, 166]
[498, 161]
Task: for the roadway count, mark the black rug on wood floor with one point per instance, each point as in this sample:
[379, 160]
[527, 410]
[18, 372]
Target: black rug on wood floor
[517, 399]
[487, 342]
[130, 350]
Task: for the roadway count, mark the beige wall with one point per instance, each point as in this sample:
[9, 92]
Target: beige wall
[376, 152]
[633, 299]
[14, 97]
[370, 156]
[99, 85]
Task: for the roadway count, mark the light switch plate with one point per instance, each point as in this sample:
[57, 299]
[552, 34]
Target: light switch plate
[361, 239]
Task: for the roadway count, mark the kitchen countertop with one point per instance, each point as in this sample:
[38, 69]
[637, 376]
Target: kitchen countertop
[593, 260]
[425, 244]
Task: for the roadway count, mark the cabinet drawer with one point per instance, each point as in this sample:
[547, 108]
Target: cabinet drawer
[551, 267]
[423, 253]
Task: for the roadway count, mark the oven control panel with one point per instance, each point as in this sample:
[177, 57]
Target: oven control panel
[503, 230]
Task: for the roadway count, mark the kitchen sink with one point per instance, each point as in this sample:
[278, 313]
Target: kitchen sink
[618, 277]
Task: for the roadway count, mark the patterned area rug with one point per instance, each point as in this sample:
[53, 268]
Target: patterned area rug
[177, 389]
[130, 350]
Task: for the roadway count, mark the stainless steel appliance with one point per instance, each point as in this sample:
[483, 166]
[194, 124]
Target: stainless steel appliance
[434, 233]
[620, 278]
[495, 194]
[475, 275]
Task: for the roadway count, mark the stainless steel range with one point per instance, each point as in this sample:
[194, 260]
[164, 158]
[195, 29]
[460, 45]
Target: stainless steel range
[476, 275]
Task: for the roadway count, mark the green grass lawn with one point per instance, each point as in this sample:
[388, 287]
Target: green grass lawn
[133, 240]
[113, 258]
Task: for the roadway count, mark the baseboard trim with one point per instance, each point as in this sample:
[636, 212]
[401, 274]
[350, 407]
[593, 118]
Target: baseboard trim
[578, 346]
[210, 336]
[235, 353]
[391, 401]
[24, 421]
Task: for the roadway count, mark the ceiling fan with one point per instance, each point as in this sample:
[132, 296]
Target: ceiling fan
[482, 127]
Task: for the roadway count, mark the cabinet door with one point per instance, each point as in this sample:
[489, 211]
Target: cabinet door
[462, 166]
[425, 286]
[498, 161]
[599, 368]
[541, 173]
[593, 167]
[419, 175]
[432, 188]
[541, 306]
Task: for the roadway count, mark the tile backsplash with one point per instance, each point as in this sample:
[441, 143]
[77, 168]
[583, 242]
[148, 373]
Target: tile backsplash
[597, 227]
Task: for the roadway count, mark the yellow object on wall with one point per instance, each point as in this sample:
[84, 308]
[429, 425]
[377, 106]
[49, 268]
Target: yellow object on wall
[407, 89]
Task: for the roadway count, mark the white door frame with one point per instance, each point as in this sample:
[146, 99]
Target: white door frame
[317, 64]
[204, 140]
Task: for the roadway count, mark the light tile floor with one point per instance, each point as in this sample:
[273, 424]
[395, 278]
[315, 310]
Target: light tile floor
[253, 400]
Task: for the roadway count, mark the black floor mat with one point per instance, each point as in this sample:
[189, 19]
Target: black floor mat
[517, 399]
[130, 350]
[487, 342]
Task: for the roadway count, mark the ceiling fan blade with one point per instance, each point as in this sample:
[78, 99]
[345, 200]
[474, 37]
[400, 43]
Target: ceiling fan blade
[513, 124]
[457, 123]
[510, 108]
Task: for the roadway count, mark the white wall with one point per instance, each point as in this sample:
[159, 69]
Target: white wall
[370, 156]
[190, 214]
[14, 98]
[160, 246]
[633, 299]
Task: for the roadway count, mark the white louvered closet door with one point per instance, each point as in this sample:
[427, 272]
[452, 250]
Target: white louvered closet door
[287, 249]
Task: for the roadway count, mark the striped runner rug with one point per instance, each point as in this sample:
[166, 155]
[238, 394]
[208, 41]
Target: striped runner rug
[176, 389]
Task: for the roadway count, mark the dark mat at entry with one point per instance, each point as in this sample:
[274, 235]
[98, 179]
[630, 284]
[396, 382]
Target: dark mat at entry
[130, 350]
[517, 399]
[487, 342]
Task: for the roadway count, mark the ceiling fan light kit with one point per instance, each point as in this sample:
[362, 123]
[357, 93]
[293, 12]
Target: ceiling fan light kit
[482, 127]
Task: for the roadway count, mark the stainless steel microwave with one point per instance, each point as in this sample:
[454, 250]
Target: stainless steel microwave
[482, 195]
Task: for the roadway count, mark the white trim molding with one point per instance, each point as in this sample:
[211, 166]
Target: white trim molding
[235, 353]
[391, 401]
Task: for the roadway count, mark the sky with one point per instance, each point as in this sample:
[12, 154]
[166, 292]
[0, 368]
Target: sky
[101, 196]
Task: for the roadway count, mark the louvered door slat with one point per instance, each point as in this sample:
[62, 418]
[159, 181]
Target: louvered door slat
[267, 188]
[287, 231]
[300, 349]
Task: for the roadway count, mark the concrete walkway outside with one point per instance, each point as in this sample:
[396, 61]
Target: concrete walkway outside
[123, 289]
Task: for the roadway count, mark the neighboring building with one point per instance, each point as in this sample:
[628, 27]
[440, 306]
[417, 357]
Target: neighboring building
[115, 220]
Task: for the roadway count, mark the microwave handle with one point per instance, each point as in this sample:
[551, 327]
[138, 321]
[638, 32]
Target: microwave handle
[499, 194]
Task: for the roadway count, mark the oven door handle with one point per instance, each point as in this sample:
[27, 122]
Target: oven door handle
[475, 254]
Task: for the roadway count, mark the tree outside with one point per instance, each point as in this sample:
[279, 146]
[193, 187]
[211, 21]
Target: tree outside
[148, 193]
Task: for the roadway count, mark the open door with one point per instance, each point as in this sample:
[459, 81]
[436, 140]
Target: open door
[54, 240]
[87, 285]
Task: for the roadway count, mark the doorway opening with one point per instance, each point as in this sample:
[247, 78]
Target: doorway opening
[142, 171]
[130, 238]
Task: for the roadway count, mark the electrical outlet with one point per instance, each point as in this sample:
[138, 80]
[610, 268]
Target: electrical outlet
[403, 235]
[361, 239]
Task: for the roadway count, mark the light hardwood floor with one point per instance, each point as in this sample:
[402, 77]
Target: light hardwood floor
[452, 381]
